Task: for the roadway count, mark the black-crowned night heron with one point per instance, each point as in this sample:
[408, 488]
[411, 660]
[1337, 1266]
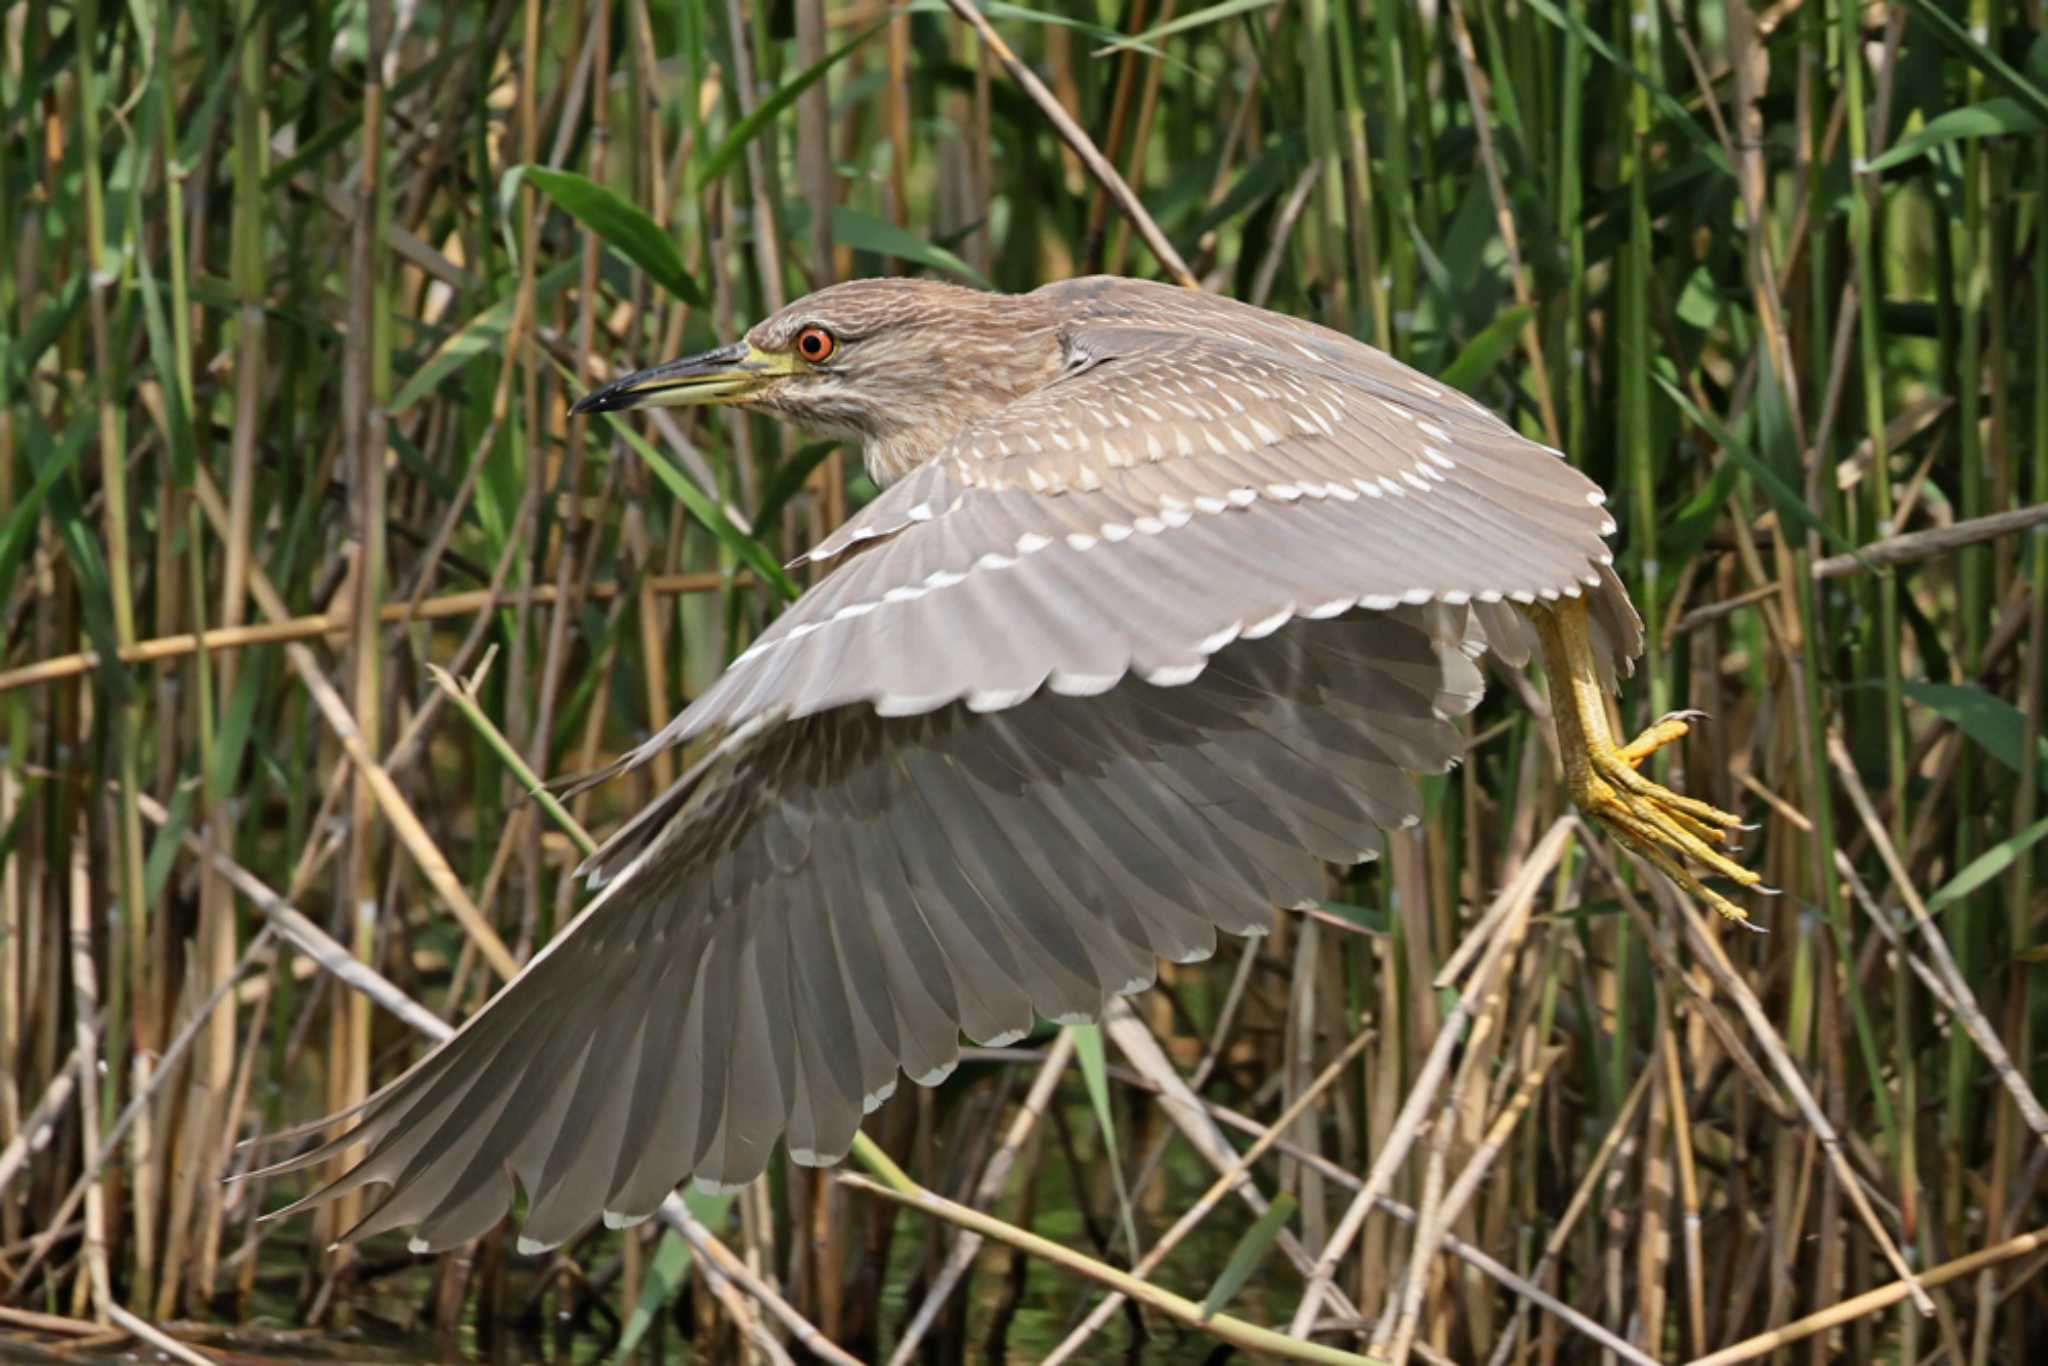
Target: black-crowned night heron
[1165, 599]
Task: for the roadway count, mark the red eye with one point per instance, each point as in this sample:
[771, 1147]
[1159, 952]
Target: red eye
[815, 344]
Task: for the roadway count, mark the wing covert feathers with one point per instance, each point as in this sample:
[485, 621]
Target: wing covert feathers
[1183, 484]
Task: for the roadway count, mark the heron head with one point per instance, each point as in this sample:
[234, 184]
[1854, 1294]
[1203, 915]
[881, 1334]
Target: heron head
[899, 365]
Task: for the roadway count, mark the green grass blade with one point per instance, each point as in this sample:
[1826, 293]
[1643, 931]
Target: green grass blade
[1992, 722]
[767, 111]
[1250, 1251]
[1987, 866]
[479, 336]
[667, 1272]
[621, 226]
[998, 10]
[163, 850]
[1985, 120]
[19, 532]
[1469, 369]
[1095, 1072]
[1662, 98]
[1209, 14]
[1960, 41]
[863, 232]
[788, 478]
[1785, 500]
[708, 513]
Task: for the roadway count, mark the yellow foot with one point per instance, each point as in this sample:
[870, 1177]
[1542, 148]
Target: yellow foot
[1674, 832]
[1656, 822]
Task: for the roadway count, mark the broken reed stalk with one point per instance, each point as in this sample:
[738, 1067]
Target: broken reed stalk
[1887, 552]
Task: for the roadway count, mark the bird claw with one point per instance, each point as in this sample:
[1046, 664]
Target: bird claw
[1673, 832]
[1658, 823]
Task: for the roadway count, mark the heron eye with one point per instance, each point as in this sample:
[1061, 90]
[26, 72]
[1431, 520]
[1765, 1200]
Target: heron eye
[815, 344]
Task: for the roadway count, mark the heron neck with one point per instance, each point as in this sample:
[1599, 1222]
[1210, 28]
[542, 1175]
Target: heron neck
[965, 378]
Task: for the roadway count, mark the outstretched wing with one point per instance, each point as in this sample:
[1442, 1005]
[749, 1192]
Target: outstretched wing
[834, 899]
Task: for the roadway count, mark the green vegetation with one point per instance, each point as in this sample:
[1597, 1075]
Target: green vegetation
[295, 298]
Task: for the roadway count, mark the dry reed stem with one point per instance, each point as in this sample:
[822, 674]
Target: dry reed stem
[1429, 1237]
[1749, 1349]
[994, 1176]
[164, 1068]
[1504, 222]
[85, 1006]
[1520, 895]
[396, 809]
[753, 1333]
[1465, 1103]
[1889, 932]
[1525, 1289]
[721, 1264]
[1519, 1286]
[1664, 954]
[1196, 1212]
[1226, 1018]
[1560, 1233]
[1247, 1336]
[1191, 1115]
[1140, 140]
[1404, 1299]
[1709, 952]
[139, 1327]
[1083, 146]
[50, 1323]
[1688, 1188]
[1962, 1002]
[36, 1129]
[307, 937]
[404, 822]
[1283, 233]
[1908, 547]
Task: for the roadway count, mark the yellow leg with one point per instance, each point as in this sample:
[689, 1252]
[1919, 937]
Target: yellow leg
[1602, 776]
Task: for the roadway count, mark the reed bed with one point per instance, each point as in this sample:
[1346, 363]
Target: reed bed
[305, 569]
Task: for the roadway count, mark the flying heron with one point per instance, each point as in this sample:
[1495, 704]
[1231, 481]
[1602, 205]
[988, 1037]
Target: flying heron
[1164, 601]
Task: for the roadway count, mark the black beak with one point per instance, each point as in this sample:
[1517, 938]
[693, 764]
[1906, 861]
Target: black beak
[727, 375]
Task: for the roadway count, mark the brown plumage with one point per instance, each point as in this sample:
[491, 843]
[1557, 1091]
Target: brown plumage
[1166, 599]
